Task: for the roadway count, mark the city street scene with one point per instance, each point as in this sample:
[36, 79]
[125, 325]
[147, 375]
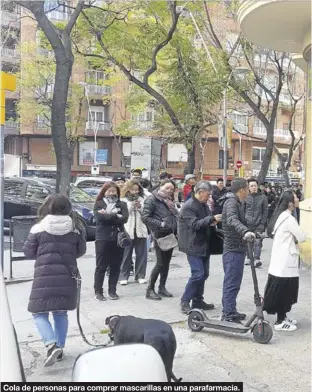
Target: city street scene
[156, 192]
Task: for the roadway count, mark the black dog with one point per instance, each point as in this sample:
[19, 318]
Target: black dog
[156, 333]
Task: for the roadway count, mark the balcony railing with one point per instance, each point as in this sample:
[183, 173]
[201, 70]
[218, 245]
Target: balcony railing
[12, 53]
[11, 124]
[144, 125]
[259, 131]
[57, 15]
[99, 126]
[95, 89]
[281, 132]
[44, 52]
[10, 19]
[41, 124]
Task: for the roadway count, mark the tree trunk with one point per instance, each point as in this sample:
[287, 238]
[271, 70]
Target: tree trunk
[286, 177]
[190, 167]
[58, 127]
[267, 156]
[284, 166]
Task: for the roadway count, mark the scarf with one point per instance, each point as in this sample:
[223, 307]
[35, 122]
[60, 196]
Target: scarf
[166, 199]
[110, 205]
[131, 197]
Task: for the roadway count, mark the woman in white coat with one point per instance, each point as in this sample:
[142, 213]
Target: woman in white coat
[281, 290]
[133, 194]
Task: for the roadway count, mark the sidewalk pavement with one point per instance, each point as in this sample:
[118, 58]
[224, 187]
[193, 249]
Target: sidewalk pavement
[283, 365]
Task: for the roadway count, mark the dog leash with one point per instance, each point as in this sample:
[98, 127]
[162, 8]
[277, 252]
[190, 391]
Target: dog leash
[77, 277]
[110, 335]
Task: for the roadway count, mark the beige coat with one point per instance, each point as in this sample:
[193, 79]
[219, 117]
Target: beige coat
[135, 217]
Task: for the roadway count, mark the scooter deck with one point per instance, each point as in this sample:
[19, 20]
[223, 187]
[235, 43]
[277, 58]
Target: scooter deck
[225, 326]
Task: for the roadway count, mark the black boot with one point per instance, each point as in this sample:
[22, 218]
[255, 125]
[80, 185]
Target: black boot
[162, 291]
[185, 307]
[202, 305]
[150, 294]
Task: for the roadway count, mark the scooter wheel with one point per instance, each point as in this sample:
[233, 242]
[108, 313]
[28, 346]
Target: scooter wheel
[265, 336]
[194, 320]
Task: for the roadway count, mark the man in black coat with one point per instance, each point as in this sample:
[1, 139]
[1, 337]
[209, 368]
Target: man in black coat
[194, 230]
[218, 192]
[235, 232]
[256, 215]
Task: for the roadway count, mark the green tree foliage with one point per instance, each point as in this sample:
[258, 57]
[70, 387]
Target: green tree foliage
[156, 48]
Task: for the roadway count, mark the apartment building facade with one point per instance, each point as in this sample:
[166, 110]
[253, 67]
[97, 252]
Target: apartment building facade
[102, 116]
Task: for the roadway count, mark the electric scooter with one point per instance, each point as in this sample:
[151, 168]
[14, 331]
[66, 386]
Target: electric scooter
[261, 329]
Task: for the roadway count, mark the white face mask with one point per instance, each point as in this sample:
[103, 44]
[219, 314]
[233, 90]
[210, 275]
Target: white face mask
[112, 198]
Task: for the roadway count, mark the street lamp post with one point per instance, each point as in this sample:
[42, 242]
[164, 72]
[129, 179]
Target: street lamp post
[95, 125]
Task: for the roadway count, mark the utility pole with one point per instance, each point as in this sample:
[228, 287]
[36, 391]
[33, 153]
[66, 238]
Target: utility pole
[225, 146]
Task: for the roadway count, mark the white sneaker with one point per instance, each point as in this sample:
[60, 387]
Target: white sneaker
[290, 320]
[123, 282]
[247, 262]
[142, 281]
[285, 326]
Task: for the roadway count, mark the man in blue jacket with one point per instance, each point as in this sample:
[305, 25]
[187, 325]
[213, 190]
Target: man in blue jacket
[194, 230]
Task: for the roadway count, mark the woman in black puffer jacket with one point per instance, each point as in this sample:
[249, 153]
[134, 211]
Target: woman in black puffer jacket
[110, 215]
[160, 216]
[55, 244]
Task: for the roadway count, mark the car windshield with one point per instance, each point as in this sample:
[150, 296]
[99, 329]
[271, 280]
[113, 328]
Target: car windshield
[79, 196]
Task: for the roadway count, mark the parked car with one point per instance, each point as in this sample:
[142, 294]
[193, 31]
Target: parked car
[91, 185]
[23, 196]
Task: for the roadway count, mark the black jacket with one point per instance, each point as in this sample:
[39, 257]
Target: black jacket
[233, 225]
[55, 245]
[156, 211]
[107, 225]
[216, 195]
[194, 228]
[256, 211]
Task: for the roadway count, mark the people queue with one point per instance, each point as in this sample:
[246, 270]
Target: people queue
[128, 213]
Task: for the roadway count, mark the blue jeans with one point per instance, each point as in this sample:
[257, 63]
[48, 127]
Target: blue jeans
[233, 267]
[148, 242]
[194, 289]
[48, 335]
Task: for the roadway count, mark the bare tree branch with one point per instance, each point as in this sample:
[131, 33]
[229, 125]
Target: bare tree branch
[216, 39]
[74, 16]
[174, 22]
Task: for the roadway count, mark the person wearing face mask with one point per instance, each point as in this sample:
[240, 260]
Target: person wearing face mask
[133, 195]
[160, 216]
[110, 215]
[281, 291]
[256, 214]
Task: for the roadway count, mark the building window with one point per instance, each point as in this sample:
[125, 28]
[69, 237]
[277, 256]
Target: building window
[56, 9]
[239, 119]
[258, 154]
[96, 77]
[98, 114]
[286, 126]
